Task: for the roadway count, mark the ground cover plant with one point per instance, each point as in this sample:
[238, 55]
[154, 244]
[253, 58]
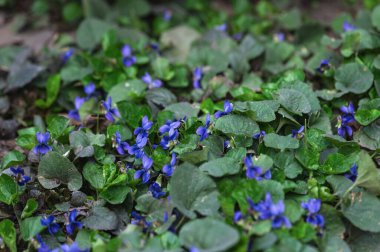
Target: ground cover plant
[191, 126]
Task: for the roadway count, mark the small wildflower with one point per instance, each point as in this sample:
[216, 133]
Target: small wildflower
[353, 173]
[121, 146]
[312, 206]
[137, 219]
[323, 65]
[43, 247]
[169, 168]
[226, 144]
[144, 173]
[48, 222]
[170, 134]
[73, 224]
[237, 36]
[89, 89]
[167, 15]
[147, 79]
[221, 28]
[197, 77]
[156, 190]
[255, 172]
[42, 147]
[259, 135]
[73, 248]
[227, 109]
[203, 131]
[298, 133]
[18, 173]
[266, 209]
[347, 27]
[67, 55]
[111, 112]
[128, 58]
[279, 37]
[74, 113]
[348, 113]
[238, 216]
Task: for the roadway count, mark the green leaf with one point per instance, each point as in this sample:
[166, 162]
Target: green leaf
[30, 227]
[8, 234]
[74, 72]
[290, 20]
[208, 235]
[55, 170]
[221, 166]
[368, 174]
[57, 126]
[294, 101]
[127, 91]
[30, 208]
[12, 158]
[115, 194]
[133, 113]
[353, 78]
[237, 125]
[93, 173]
[183, 109]
[275, 141]
[160, 96]
[362, 210]
[90, 32]
[337, 163]
[101, 218]
[52, 89]
[83, 142]
[8, 189]
[262, 111]
[191, 190]
[161, 69]
[261, 227]
[375, 17]
[180, 39]
[368, 111]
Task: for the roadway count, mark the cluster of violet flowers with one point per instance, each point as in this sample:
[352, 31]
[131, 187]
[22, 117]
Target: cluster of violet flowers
[19, 175]
[128, 58]
[344, 121]
[313, 206]
[53, 228]
[268, 210]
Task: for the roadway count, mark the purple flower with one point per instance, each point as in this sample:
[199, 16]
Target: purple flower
[73, 248]
[344, 130]
[312, 206]
[193, 249]
[237, 36]
[136, 151]
[74, 113]
[255, 172]
[42, 147]
[147, 79]
[121, 147]
[238, 216]
[128, 58]
[227, 109]
[259, 135]
[169, 127]
[167, 15]
[221, 28]
[353, 173]
[111, 112]
[226, 144]
[89, 89]
[323, 65]
[170, 134]
[347, 27]
[197, 77]
[348, 113]
[169, 168]
[279, 36]
[73, 224]
[137, 219]
[43, 247]
[144, 173]
[156, 190]
[298, 133]
[146, 125]
[203, 131]
[18, 173]
[48, 222]
[67, 55]
[266, 209]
